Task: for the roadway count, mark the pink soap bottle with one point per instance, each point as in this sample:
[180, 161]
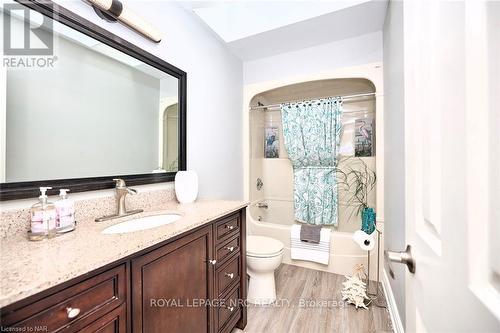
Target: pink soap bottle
[65, 209]
[43, 216]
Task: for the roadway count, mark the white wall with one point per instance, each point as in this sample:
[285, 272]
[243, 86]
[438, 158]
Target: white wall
[394, 145]
[326, 57]
[214, 90]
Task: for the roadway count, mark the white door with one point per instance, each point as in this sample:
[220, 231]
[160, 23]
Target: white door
[452, 158]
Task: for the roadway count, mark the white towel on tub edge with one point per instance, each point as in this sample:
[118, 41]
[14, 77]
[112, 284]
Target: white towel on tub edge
[319, 253]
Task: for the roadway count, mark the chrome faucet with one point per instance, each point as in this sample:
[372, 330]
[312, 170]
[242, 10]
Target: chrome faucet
[121, 192]
[262, 205]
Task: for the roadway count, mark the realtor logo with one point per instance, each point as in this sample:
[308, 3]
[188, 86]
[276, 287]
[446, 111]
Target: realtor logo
[28, 38]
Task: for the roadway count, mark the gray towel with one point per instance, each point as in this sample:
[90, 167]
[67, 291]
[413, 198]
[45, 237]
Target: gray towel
[310, 233]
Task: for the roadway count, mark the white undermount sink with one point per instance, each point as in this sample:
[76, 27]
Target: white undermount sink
[142, 223]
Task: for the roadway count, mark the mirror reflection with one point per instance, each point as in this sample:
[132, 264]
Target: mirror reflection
[97, 112]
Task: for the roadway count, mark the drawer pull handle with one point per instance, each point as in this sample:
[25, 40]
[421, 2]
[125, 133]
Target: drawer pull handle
[230, 227]
[229, 275]
[230, 308]
[230, 248]
[212, 261]
[72, 312]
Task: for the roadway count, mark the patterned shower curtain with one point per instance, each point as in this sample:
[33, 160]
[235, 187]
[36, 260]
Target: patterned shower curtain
[312, 131]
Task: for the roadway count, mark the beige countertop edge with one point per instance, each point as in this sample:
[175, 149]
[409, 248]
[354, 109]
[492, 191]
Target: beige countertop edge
[28, 268]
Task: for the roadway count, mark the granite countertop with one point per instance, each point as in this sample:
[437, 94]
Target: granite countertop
[27, 268]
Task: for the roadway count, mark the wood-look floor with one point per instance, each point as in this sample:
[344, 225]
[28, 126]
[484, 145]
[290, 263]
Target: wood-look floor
[290, 315]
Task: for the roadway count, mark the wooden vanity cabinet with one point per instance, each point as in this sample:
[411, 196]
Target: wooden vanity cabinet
[193, 283]
[170, 286]
[112, 322]
[74, 308]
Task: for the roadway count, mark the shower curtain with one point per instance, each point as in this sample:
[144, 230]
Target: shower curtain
[312, 131]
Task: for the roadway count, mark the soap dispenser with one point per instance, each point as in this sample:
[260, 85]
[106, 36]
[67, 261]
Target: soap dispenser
[43, 217]
[65, 209]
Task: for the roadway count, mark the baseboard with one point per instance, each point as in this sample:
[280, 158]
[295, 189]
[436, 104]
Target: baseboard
[397, 324]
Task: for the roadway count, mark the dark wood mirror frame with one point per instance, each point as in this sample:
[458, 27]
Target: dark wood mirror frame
[29, 189]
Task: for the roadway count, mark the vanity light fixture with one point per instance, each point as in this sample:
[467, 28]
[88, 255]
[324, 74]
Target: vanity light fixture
[115, 10]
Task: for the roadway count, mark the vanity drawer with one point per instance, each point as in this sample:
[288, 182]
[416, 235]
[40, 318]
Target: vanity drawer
[226, 250]
[112, 322]
[228, 311]
[80, 304]
[227, 275]
[227, 227]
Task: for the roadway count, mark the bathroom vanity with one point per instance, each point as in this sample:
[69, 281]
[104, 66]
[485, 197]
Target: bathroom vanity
[192, 281]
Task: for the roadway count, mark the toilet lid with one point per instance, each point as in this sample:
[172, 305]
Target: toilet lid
[260, 246]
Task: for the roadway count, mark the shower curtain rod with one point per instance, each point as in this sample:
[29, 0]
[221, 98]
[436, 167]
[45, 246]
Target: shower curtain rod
[260, 107]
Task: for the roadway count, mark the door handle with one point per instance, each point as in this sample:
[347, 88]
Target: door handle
[403, 257]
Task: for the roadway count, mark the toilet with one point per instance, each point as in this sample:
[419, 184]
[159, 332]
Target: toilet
[264, 255]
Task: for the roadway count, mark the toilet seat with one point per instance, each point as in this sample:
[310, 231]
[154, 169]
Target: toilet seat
[263, 247]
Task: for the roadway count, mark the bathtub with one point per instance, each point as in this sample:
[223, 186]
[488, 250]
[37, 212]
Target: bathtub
[276, 220]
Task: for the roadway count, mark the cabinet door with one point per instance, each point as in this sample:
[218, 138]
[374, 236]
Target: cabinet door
[168, 282]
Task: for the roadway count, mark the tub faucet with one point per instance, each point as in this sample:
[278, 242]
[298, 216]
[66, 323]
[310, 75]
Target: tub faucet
[121, 192]
[263, 205]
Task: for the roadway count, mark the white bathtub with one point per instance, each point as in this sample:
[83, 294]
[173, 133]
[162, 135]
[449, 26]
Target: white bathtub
[276, 222]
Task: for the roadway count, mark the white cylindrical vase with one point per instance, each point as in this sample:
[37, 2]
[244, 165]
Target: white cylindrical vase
[186, 186]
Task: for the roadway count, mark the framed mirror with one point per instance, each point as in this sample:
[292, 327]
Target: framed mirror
[104, 109]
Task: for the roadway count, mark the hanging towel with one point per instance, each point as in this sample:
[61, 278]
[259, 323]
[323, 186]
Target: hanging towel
[319, 253]
[310, 233]
[312, 131]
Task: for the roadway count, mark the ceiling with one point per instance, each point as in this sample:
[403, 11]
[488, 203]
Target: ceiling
[258, 29]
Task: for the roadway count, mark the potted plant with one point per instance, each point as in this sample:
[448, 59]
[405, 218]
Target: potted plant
[357, 180]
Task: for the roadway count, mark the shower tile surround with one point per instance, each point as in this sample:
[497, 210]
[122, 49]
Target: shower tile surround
[27, 268]
[277, 173]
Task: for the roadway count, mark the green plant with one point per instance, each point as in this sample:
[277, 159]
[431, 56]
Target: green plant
[357, 180]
